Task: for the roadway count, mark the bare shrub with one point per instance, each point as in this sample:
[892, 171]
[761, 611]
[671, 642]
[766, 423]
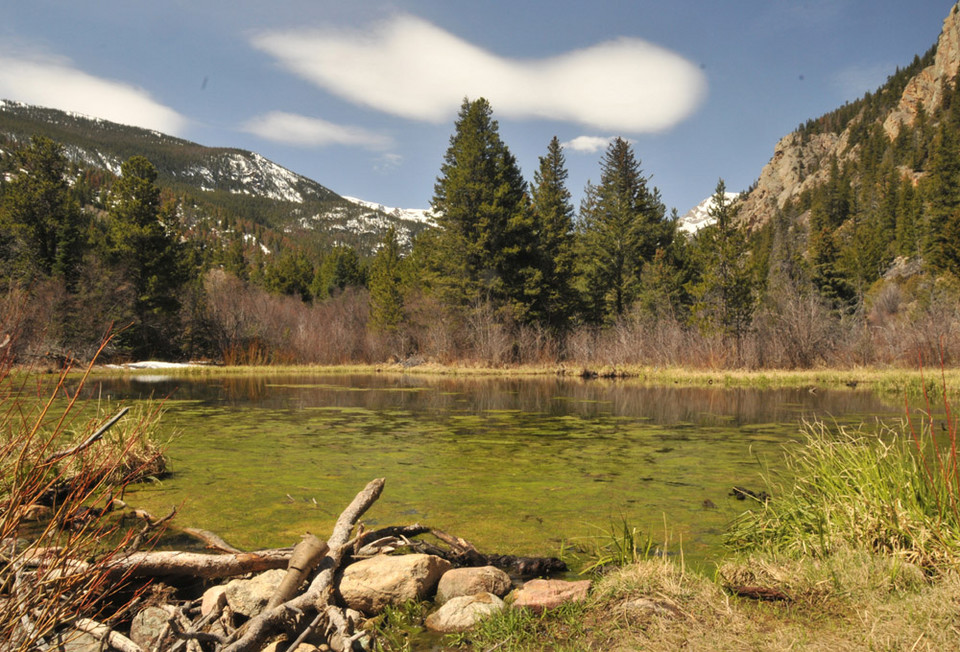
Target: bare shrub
[795, 330]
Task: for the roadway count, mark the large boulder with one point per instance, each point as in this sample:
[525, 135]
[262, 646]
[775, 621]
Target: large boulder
[539, 595]
[462, 612]
[372, 584]
[470, 581]
[249, 597]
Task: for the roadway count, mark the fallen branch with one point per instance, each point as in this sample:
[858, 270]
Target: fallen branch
[88, 442]
[171, 563]
[103, 633]
[317, 596]
[213, 541]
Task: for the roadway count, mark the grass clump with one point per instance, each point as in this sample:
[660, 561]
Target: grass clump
[875, 491]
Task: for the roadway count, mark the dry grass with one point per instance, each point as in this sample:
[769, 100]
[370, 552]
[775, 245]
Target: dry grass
[55, 532]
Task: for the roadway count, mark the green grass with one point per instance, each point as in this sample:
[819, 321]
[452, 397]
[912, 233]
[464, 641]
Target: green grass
[895, 492]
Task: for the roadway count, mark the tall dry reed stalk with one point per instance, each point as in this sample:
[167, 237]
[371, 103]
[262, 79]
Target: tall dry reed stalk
[57, 484]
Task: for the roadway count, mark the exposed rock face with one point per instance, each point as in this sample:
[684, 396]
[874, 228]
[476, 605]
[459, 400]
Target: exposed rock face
[462, 613]
[927, 87]
[795, 166]
[539, 595]
[469, 581]
[372, 584]
[799, 163]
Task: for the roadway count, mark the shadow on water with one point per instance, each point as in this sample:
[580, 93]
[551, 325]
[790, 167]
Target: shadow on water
[516, 465]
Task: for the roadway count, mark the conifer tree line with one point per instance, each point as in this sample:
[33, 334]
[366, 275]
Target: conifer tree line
[860, 269]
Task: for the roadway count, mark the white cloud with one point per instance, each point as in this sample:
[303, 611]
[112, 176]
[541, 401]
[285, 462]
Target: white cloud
[301, 130]
[411, 68]
[58, 84]
[388, 162]
[587, 144]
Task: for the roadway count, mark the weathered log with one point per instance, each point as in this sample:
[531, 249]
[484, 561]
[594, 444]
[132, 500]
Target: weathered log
[317, 596]
[306, 556]
[172, 563]
[765, 593]
[113, 639]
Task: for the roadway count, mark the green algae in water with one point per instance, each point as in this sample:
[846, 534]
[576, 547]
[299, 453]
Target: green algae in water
[501, 463]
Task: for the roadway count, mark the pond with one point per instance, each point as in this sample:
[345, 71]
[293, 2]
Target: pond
[517, 466]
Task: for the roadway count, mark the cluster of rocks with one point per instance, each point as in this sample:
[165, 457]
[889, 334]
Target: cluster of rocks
[462, 595]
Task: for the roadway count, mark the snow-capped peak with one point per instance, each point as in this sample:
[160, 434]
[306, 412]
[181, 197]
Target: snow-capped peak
[409, 214]
[699, 216]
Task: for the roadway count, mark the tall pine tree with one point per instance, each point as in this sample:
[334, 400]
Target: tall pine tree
[142, 243]
[622, 224]
[553, 297]
[480, 200]
[41, 226]
[725, 292]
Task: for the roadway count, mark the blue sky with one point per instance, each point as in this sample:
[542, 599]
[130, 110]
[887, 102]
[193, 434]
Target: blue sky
[361, 96]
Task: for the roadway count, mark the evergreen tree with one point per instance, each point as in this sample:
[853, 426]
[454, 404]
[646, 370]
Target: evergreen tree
[341, 268]
[622, 226]
[484, 243]
[386, 285]
[143, 245]
[725, 291]
[552, 293]
[289, 273]
[942, 189]
[41, 226]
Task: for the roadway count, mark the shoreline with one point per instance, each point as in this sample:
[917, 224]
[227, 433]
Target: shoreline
[877, 379]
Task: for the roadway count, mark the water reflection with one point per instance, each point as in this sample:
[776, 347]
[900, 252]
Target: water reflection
[517, 465]
[551, 397]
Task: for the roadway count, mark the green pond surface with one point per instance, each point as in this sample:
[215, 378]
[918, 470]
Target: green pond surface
[517, 466]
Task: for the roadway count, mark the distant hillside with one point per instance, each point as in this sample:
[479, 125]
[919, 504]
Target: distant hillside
[242, 185]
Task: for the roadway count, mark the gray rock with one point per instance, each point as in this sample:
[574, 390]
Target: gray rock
[647, 607]
[461, 613]
[372, 584]
[146, 627]
[470, 581]
[249, 597]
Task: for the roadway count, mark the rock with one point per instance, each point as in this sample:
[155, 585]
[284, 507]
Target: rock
[372, 584]
[214, 599]
[281, 645]
[461, 613]
[470, 581]
[75, 642]
[249, 597]
[147, 626]
[539, 595]
[646, 607]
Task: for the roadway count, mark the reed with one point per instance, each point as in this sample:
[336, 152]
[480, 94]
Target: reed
[56, 527]
[894, 490]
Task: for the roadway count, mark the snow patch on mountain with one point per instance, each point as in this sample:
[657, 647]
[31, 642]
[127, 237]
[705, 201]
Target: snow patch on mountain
[700, 216]
[420, 215]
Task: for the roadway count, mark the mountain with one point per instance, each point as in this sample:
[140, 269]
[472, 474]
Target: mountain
[256, 192]
[801, 160]
[699, 216]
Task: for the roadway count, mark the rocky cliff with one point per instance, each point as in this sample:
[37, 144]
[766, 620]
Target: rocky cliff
[801, 161]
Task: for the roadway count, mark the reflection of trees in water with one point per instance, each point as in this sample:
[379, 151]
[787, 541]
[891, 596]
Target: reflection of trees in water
[554, 397]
